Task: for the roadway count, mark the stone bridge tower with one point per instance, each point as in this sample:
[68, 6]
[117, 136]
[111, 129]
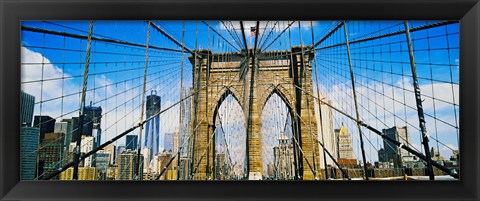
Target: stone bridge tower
[286, 73]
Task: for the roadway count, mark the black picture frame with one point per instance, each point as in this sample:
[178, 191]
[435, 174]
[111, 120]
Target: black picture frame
[12, 12]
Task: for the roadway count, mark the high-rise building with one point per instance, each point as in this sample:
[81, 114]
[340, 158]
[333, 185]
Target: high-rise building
[186, 116]
[50, 154]
[127, 163]
[146, 163]
[120, 150]
[62, 127]
[111, 172]
[102, 162]
[326, 135]
[176, 140]
[163, 160]
[345, 147]
[168, 142]
[28, 151]
[87, 145]
[69, 135]
[27, 104]
[132, 141]
[382, 157]
[183, 168]
[92, 119]
[283, 159]
[46, 124]
[110, 149]
[152, 130]
[392, 151]
[220, 166]
[84, 173]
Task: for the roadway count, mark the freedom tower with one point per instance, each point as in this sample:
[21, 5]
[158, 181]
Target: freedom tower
[152, 131]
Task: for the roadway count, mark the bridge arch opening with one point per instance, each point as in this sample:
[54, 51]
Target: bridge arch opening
[230, 138]
[278, 158]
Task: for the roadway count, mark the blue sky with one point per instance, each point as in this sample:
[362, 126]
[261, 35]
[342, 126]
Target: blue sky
[113, 82]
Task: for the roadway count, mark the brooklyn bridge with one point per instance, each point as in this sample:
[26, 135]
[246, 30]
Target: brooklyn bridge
[240, 100]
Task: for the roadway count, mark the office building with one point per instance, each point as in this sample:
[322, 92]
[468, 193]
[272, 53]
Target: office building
[69, 135]
[186, 116]
[92, 120]
[27, 104]
[392, 151]
[131, 142]
[283, 159]
[163, 159]
[84, 173]
[183, 170]
[345, 147]
[111, 172]
[127, 165]
[63, 127]
[220, 166]
[87, 145]
[46, 124]
[50, 154]
[152, 130]
[102, 162]
[382, 157]
[120, 149]
[146, 163]
[28, 151]
[326, 135]
[110, 149]
[168, 142]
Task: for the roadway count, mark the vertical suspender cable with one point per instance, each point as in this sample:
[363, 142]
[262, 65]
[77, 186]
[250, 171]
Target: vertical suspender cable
[180, 127]
[139, 177]
[76, 158]
[418, 99]
[355, 100]
[319, 105]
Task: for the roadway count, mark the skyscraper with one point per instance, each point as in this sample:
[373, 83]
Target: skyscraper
[102, 161]
[186, 116]
[326, 135]
[111, 149]
[27, 103]
[152, 131]
[46, 124]
[87, 145]
[92, 120]
[120, 149]
[65, 128]
[283, 159]
[132, 142]
[168, 142]
[392, 151]
[28, 151]
[127, 161]
[51, 153]
[345, 147]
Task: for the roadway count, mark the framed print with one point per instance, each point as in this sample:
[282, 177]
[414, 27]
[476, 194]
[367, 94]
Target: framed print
[239, 100]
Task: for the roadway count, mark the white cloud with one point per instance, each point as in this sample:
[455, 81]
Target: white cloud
[36, 67]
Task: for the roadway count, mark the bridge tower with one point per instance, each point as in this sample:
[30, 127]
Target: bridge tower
[285, 73]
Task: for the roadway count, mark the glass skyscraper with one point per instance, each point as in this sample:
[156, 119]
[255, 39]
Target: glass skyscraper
[152, 131]
[28, 151]
[27, 102]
